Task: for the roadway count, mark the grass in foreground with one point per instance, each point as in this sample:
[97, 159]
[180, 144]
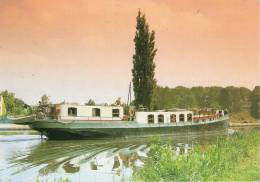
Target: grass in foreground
[235, 158]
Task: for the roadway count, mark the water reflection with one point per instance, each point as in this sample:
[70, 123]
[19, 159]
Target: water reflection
[98, 160]
[71, 155]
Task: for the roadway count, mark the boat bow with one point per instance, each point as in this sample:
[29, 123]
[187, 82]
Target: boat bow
[24, 120]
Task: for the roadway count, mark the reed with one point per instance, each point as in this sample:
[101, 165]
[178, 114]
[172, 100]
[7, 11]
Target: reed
[54, 180]
[234, 158]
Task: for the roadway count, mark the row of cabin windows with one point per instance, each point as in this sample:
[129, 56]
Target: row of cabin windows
[72, 111]
[172, 118]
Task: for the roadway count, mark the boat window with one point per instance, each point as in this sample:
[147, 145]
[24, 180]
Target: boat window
[173, 118]
[181, 117]
[160, 118]
[189, 117]
[72, 111]
[150, 118]
[96, 112]
[115, 112]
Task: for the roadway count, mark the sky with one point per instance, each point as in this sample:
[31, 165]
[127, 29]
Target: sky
[82, 49]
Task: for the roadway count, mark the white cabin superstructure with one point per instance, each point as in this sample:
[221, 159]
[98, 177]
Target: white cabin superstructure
[86, 112]
[163, 117]
[75, 112]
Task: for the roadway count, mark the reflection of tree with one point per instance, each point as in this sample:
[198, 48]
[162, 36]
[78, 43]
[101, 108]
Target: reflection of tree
[50, 169]
[116, 163]
[70, 168]
[93, 165]
[124, 159]
[51, 155]
[128, 159]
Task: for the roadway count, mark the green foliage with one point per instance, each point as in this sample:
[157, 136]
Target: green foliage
[242, 117]
[54, 180]
[3, 108]
[229, 159]
[200, 96]
[143, 64]
[43, 109]
[45, 100]
[255, 102]
[13, 105]
[225, 99]
[232, 98]
[90, 103]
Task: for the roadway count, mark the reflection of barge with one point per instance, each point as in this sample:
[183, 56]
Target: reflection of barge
[70, 121]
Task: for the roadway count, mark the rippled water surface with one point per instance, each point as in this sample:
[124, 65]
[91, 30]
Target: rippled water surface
[24, 156]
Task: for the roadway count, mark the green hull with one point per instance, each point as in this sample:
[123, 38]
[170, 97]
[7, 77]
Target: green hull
[103, 129]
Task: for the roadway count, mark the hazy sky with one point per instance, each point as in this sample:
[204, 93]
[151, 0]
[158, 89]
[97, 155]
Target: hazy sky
[81, 49]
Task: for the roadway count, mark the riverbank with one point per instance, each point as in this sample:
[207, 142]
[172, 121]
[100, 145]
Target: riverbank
[244, 119]
[243, 124]
[13, 127]
[235, 158]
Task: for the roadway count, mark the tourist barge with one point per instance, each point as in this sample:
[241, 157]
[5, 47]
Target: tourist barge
[72, 121]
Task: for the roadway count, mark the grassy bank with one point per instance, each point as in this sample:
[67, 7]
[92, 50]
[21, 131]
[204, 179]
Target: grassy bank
[242, 117]
[235, 158]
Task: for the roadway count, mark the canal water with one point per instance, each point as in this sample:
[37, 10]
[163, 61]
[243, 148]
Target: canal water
[25, 157]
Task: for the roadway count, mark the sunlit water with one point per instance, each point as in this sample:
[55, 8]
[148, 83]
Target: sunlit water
[24, 156]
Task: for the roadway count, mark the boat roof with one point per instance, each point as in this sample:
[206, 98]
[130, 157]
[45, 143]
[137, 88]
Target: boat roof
[82, 105]
[163, 111]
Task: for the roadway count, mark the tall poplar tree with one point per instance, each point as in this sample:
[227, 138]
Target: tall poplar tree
[143, 63]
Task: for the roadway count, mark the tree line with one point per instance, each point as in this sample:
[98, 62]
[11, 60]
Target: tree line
[14, 105]
[234, 99]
